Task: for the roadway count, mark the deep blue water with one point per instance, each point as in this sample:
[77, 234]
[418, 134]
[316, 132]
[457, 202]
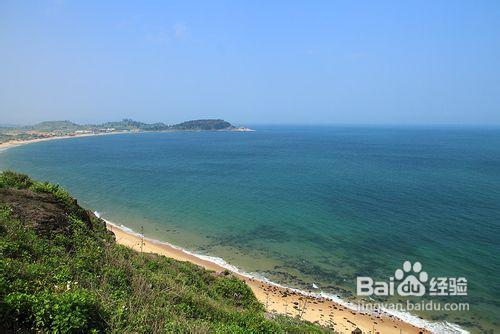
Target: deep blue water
[301, 204]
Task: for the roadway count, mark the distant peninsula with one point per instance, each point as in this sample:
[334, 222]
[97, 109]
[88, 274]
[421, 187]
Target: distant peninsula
[54, 129]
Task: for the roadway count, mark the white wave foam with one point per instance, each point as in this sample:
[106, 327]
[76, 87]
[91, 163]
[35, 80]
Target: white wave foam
[442, 327]
[3, 149]
[434, 327]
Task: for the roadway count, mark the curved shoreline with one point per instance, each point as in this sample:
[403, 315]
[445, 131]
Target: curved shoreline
[322, 308]
[14, 143]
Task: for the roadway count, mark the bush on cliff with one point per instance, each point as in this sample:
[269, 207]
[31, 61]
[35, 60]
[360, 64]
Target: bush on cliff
[61, 271]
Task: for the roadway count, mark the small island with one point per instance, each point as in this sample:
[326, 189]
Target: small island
[61, 129]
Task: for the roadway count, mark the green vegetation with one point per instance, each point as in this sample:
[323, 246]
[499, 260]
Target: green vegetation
[201, 124]
[204, 124]
[55, 126]
[131, 125]
[61, 271]
[67, 128]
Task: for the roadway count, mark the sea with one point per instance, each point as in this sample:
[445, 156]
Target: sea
[309, 207]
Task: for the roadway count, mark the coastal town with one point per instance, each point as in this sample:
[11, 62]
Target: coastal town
[55, 129]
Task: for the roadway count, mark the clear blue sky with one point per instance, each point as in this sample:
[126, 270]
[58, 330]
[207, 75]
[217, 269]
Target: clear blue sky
[251, 62]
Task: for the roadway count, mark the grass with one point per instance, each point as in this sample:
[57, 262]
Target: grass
[76, 279]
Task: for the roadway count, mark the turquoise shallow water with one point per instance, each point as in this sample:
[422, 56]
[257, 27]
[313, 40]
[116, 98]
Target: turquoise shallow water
[302, 204]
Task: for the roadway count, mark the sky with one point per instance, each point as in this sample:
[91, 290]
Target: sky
[250, 62]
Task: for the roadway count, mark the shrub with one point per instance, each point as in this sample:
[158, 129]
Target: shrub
[70, 311]
[237, 292]
[82, 281]
[15, 180]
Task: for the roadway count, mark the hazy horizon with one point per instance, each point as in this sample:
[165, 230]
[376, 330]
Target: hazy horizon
[277, 124]
[336, 63]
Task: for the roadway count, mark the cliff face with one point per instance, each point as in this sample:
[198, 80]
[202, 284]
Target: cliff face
[41, 212]
[61, 271]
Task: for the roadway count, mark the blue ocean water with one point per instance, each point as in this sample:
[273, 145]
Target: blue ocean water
[302, 205]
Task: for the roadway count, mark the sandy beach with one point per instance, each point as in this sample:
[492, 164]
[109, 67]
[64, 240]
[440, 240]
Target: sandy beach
[278, 299]
[13, 143]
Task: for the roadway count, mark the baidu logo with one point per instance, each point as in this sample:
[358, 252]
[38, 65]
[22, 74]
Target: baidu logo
[411, 280]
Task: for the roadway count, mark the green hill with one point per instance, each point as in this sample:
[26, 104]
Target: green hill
[129, 124]
[204, 124]
[49, 126]
[58, 128]
[200, 125]
[61, 271]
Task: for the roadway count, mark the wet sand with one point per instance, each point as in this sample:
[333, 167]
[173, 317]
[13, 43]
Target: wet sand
[281, 300]
[276, 299]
